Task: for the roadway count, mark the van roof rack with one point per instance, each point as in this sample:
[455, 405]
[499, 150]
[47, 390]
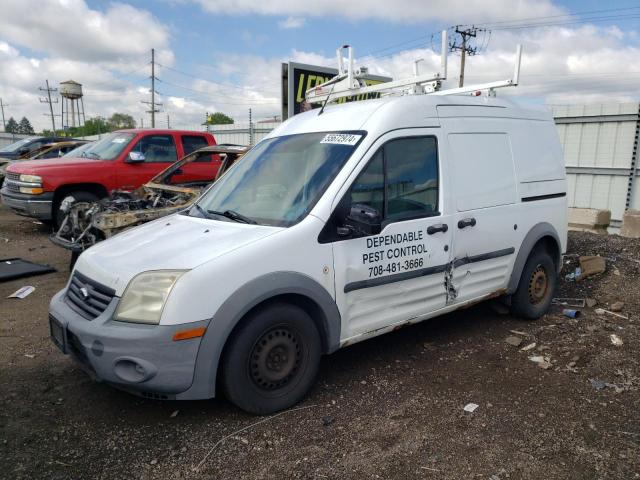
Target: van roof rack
[351, 82]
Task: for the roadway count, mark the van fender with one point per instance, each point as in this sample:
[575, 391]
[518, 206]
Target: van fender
[538, 231]
[239, 304]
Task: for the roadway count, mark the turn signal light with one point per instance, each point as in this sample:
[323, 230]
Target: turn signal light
[187, 334]
[31, 191]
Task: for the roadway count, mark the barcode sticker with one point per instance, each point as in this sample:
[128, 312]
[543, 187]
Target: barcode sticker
[341, 138]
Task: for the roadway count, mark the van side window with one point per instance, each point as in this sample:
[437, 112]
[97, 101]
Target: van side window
[411, 177]
[367, 192]
[157, 149]
[400, 181]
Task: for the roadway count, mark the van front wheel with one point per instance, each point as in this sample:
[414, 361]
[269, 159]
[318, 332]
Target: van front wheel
[271, 362]
[535, 290]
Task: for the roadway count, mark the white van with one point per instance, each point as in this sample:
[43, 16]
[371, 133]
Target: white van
[338, 227]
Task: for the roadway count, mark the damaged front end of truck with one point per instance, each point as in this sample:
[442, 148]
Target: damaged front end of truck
[87, 223]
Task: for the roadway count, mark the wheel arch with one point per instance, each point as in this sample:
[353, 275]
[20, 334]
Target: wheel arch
[542, 235]
[290, 287]
[95, 188]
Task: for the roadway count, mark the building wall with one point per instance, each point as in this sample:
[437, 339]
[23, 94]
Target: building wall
[600, 144]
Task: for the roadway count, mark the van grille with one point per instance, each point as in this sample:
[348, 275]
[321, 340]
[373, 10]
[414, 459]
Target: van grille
[87, 297]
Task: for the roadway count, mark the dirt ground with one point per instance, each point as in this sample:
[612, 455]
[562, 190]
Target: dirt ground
[391, 407]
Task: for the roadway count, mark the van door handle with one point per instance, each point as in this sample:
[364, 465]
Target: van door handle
[467, 222]
[437, 228]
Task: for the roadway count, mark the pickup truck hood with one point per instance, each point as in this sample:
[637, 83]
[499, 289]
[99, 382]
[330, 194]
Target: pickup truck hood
[35, 166]
[177, 242]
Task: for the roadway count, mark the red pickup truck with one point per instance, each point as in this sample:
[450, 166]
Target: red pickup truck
[121, 160]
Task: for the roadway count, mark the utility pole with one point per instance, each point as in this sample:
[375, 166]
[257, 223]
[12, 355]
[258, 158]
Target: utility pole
[168, 124]
[48, 100]
[4, 125]
[153, 103]
[250, 129]
[464, 47]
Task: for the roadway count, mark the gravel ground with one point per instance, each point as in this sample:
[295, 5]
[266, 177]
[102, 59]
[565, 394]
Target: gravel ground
[391, 407]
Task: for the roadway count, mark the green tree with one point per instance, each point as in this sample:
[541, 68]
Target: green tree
[25, 127]
[12, 126]
[118, 121]
[219, 118]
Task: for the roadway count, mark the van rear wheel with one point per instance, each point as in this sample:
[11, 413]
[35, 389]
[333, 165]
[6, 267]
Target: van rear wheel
[537, 285]
[271, 362]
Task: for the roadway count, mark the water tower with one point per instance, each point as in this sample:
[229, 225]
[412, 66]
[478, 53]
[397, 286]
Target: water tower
[72, 103]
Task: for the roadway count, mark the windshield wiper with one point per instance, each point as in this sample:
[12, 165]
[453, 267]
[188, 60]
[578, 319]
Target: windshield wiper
[202, 211]
[95, 155]
[233, 215]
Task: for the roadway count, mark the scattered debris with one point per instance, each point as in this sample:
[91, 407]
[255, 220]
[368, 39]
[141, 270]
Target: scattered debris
[518, 332]
[29, 355]
[531, 346]
[328, 420]
[591, 302]
[13, 268]
[602, 311]
[22, 292]
[597, 384]
[174, 414]
[470, 407]
[567, 312]
[513, 340]
[569, 302]
[591, 265]
[543, 362]
[617, 306]
[570, 277]
[616, 340]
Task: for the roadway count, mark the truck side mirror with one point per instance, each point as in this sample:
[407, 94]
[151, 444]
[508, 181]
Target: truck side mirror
[364, 219]
[135, 157]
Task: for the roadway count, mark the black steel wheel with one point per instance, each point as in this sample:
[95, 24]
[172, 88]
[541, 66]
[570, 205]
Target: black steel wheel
[536, 287]
[271, 360]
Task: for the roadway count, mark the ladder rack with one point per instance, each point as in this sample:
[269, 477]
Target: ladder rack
[350, 82]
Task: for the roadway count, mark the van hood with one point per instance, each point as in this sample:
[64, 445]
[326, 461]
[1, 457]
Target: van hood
[177, 242]
[35, 166]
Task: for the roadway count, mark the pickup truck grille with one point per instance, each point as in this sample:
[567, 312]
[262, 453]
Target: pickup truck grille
[87, 297]
[9, 179]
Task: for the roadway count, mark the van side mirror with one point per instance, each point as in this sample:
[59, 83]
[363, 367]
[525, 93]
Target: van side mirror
[365, 220]
[135, 157]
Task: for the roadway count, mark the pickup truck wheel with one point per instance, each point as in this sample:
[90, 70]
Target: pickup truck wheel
[536, 287]
[271, 362]
[79, 196]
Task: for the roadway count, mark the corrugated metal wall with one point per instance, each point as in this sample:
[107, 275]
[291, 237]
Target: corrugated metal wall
[600, 144]
[241, 133]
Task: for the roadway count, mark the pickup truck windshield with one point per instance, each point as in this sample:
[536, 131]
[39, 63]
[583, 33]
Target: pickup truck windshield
[279, 181]
[109, 147]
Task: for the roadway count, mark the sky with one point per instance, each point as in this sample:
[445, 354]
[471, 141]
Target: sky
[225, 55]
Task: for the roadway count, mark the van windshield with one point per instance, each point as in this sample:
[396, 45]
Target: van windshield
[109, 147]
[279, 181]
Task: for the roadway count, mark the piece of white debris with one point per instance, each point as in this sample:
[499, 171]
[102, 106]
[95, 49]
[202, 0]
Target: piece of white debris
[470, 407]
[22, 292]
[616, 340]
[531, 346]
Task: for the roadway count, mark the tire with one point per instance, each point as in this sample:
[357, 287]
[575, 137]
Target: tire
[271, 361]
[79, 196]
[537, 285]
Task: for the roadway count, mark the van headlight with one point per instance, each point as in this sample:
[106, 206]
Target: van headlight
[145, 296]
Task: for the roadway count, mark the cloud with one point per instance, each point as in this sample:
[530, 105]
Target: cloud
[411, 11]
[292, 22]
[72, 30]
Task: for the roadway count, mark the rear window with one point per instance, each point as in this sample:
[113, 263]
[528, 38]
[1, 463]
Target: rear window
[191, 143]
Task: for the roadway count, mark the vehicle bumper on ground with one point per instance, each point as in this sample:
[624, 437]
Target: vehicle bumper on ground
[141, 359]
[36, 206]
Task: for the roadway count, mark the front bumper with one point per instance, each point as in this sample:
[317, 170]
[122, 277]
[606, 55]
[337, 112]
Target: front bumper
[36, 206]
[141, 359]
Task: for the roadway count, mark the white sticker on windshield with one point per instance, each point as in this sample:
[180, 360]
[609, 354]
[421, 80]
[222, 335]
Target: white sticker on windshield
[118, 140]
[341, 138]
